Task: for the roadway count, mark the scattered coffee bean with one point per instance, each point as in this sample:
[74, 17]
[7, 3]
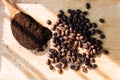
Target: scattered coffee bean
[60, 71]
[85, 13]
[48, 62]
[102, 36]
[105, 52]
[49, 22]
[88, 6]
[101, 20]
[51, 67]
[84, 69]
[71, 33]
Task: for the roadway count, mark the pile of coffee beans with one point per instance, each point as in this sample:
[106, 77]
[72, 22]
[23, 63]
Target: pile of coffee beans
[73, 43]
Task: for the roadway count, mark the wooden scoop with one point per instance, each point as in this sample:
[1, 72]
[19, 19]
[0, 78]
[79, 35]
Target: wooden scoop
[12, 7]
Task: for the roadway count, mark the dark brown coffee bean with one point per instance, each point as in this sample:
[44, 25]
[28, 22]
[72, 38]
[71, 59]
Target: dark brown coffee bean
[94, 25]
[64, 54]
[67, 32]
[69, 10]
[76, 68]
[56, 59]
[101, 20]
[59, 65]
[53, 60]
[85, 13]
[50, 56]
[94, 66]
[78, 11]
[102, 36]
[84, 69]
[72, 66]
[92, 60]
[68, 59]
[53, 27]
[82, 37]
[48, 62]
[61, 12]
[88, 6]
[51, 67]
[49, 22]
[98, 31]
[60, 71]
[55, 45]
[64, 65]
[105, 51]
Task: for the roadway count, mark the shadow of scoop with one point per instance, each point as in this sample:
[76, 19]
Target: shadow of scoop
[29, 33]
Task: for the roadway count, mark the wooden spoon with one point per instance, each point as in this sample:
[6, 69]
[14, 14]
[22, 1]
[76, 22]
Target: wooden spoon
[13, 9]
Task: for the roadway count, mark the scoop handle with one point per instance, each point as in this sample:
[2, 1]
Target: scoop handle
[12, 7]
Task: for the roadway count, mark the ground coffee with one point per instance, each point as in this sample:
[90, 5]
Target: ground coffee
[29, 33]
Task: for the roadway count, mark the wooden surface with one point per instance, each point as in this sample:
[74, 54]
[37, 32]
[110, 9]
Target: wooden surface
[20, 64]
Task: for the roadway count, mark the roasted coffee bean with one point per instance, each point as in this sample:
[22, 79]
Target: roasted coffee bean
[92, 60]
[67, 32]
[85, 13]
[101, 20]
[60, 71]
[49, 55]
[48, 62]
[84, 69]
[64, 65]
[56, 59]
[94, 25]
[94, 66]
[102, 36]
[64, 54]
[49, 22]
[98, 31]
[53, 60]
[61, 12]
[72, 66]
[53, 27]
[76, 68]
[88, 6]
[51, 67]
[69, 10]
[105, 51]
[59, 65]
[92, 31]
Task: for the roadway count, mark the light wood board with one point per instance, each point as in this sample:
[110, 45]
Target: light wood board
[33, 67]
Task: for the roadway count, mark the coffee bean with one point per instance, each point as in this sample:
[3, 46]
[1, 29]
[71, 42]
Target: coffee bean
[59, 65]
[49, 22]
[105, 52]
[101, 20]
[69, 10]
[84, 69]
[49, 55]
[60, 71]
[72, 67]
[102, 36]
[78, 11]
[85, 13]
[64, 65]
[88, 6]
[48, 62]
[61, 12]
[92, 60]
[51, 67]
[94, 66]
[94, 25]
[98, 31]
[76, 68]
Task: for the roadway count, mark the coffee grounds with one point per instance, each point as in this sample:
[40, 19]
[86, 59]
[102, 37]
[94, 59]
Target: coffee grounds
[29, 33]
